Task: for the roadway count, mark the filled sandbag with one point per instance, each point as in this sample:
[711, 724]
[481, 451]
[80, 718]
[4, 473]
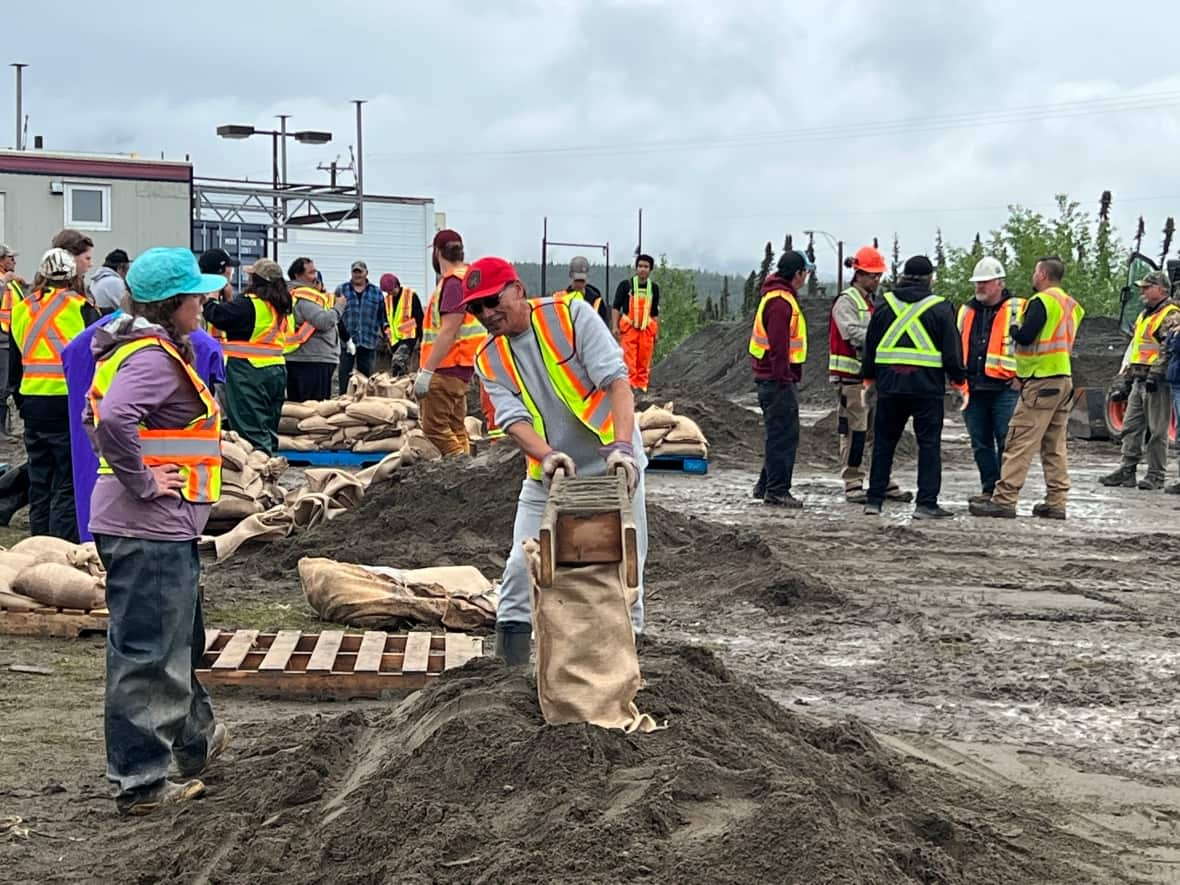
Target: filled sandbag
[343, 419]
[654, 416]
[355, 434]
[422, 448]
[685, 431]
[230, 508]
[329, 407]
[389, 444]
[298, 411]
[11, 559]
[257, 461]
[233, 456]
[296, 443]
[316, 424]
[59, 585]
[17, 602]
[375, 411]
[684, 450]
[85, 558]
[39, 544]
[654, 436]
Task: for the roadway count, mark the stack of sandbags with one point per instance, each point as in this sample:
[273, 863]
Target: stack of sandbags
[456, 597]
[666, 433]
[382, 385]
[46, 572]
[249, 481]
[360, 423]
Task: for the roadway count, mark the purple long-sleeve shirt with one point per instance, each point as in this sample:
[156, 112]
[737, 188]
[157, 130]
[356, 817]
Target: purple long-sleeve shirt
[151, 388]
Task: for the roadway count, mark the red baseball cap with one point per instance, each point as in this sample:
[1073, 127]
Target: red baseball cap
[487, 277]
[444, 236]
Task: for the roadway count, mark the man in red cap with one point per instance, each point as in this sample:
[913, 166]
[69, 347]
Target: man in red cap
[562, 391]
[403, 322]
[450, 338]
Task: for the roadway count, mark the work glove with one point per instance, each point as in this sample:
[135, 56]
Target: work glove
[553, 462]
[1151, 385]
[621, 457]
[351, 347]
[422, 383]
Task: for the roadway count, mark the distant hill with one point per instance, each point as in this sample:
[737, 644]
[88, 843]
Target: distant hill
[708, 283]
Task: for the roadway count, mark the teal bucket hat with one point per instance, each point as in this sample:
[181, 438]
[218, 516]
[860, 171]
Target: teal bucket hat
[162, 273]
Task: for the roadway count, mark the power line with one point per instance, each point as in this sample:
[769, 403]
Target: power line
[879, 129]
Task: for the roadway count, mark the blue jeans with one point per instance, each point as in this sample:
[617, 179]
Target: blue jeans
[987, 415]
[155, 707]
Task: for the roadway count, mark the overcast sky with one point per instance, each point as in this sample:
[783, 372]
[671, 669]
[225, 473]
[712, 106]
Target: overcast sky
[729, 123]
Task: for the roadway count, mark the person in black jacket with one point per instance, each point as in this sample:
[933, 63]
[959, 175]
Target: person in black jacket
[911, 348]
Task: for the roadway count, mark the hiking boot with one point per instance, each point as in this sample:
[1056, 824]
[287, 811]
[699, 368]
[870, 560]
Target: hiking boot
[759, 492]
[896, 494]
[872, 508]
[931, 511]
[1123, 478]
[1044, 511]
[217, 743]
[855, 496]
[991, 508]
[1151, 484]
[981, 498]
[788, 501]
[1173, 489]
[153, 798]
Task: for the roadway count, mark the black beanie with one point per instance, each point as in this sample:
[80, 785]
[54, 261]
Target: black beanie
[790, 264]
[918, 266]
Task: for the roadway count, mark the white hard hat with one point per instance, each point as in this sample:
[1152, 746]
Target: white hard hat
[988, 268]
[57, 264]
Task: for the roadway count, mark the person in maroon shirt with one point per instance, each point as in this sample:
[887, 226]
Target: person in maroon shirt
[776, 376]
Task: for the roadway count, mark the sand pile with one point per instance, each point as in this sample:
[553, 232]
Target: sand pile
[464, 783]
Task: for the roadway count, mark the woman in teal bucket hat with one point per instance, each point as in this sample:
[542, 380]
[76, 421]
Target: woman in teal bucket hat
[156, 428]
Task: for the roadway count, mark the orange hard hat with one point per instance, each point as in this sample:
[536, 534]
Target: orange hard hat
[869, 260]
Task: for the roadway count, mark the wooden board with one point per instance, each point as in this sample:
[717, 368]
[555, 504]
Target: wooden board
[68, 623]
[332, 664]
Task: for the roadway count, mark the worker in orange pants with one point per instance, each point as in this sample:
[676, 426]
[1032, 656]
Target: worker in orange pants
[634, 320]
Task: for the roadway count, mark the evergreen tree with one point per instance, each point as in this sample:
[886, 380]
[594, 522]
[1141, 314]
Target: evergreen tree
[895, 262]
[750, 293]
[1104, 260]
[788, 244]
[812, 282]
[1169, 232]
[939, 252]
[724, 307]
[767, 262]
[710, 313]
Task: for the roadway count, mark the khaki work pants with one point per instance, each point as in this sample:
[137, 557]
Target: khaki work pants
[1038, 425]
[852, 424]
[441, 413]
[1148, 417]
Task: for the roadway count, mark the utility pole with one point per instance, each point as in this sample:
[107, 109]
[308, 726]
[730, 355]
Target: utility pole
[20, 96]
[639, 248]
[360, 162]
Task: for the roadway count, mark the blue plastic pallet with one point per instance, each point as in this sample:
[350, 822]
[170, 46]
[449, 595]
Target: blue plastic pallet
[331, 459]
[682, 463]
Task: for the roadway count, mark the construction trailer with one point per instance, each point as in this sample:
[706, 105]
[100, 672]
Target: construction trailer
[121, 202]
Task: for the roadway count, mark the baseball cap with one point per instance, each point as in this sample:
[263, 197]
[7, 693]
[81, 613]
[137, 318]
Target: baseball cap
[216, 261]
[360, 265]
[1155, 278]
[579, 268]
[918, 266]
[6, 252]
[389, 282]
[267, 268]
[987, 268]
[486, 277]
[161, 273]
[57, 264]
[445, 236]
[116, 257]
[792, 263]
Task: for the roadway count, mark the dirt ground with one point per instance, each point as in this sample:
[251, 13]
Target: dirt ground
[970, 701]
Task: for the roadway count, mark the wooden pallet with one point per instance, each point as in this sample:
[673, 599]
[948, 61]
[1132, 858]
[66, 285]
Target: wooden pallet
[67, 622]
[343, 458]
[332, 663]
[683, 463]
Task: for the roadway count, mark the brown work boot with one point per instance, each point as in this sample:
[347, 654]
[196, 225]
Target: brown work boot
[166, 792]
[1044, 511]
[855, 495]
[1173, 489]
[991, 508]
[980, 498]
[1123, 478]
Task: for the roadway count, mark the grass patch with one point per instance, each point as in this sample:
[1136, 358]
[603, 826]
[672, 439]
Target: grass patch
[264, 615]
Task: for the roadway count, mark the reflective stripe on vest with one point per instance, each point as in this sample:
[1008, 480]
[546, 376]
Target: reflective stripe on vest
[195, 448]
[265, 347]
[1049, 355]
[42, 325]
[907, 320]
[1000, 361]
[400, 316]
[760, 340]
[471, 333]
[303, 334]
[839, 362]
[553, 329]
[639, 307]
[12, 292]
[1145, 346]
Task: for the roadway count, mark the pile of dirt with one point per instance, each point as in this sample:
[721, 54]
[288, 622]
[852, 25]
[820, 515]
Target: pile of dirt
[463, 782]
[1098, 352]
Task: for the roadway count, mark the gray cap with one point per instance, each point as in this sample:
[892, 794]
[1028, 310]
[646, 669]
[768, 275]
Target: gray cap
[579, 268]
[1155, 278]
[6, 252]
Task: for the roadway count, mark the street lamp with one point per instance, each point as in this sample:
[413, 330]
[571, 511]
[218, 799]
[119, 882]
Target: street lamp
[837, 247]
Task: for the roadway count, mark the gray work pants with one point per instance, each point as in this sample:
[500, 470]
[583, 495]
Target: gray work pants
[1148, 416]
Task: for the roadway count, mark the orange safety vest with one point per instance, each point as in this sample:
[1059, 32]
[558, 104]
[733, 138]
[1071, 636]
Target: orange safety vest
[471, 333]
[303, 334]
[12, 290]
[1001, 357]
[265, 347]
[760, 339]
[639, 307]
[195, 448]
[1145, 346]
[400, 315]
[42, 325]
[553, 328]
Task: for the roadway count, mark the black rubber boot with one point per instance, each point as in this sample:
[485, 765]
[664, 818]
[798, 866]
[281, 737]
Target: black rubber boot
[513, 641]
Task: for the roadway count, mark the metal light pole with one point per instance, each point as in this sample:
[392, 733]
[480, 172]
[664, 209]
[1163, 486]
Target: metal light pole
[360, 165]
[20, 96]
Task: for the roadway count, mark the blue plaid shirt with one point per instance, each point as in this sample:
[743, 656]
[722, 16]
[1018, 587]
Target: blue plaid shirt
[364, 317]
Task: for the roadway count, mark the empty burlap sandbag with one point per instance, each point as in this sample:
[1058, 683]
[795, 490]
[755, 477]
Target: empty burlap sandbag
[230, 508]
[474, 428]
[339, 485]
[233, 456]
[258, 460]
[288, 425]
[298, 411]
[270, 525]
[309, 509]
[85, 558]
[357, 383]
[297, 443]
[375, 410]
[59, 585]
[422, 448]
[654, 416]
[587, 666]
[382, 471]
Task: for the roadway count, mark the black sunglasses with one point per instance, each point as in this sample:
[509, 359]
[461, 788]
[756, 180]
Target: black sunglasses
[489, 303]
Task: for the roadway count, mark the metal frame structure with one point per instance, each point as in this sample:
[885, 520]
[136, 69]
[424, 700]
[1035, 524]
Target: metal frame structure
[546, 243]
